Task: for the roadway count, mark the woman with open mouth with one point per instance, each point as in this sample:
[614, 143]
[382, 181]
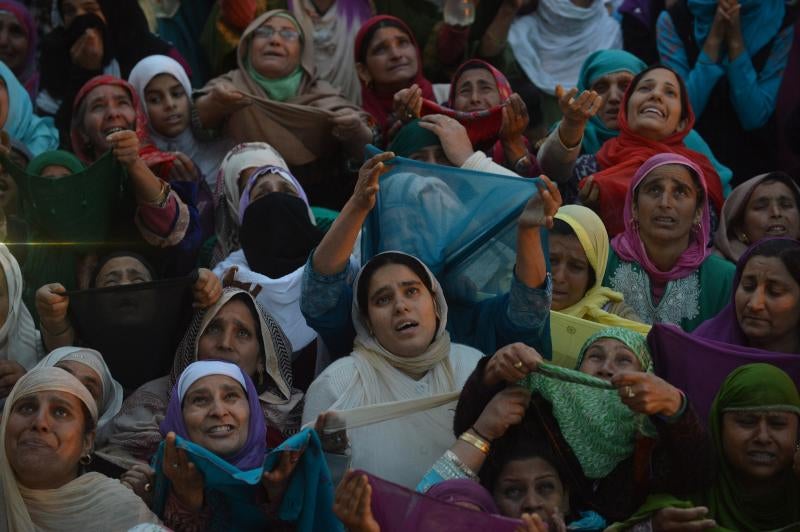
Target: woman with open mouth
[654, 117]
[753, 425]
[661, 263]
[765, 206]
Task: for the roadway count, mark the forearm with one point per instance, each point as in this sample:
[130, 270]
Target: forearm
[147, 187]
[496, 35]
[556, 159]
[531, 269]
[211, 115]
[333, 253]
[55, 335]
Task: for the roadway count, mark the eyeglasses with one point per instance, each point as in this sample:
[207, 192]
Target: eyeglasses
[286, 34]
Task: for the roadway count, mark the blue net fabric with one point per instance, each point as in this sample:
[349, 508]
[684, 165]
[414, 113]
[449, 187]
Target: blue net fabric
[460, 223]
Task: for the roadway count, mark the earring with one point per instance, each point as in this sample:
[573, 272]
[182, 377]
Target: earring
[260, 371]
[743, 238]
[85, 460]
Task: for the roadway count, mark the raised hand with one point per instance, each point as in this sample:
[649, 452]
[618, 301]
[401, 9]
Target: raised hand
[187, 481]
[647, 394]
[683, 520]
[207, 289]
[589, 194]
[125, 147]
[183, 169]
[542, 207]
[511, 364]
[141, 479]
[366, 189]
[407, 103]
[506, 408]
[515, 119]
[453, 136]
[276, 481]
[352, 503]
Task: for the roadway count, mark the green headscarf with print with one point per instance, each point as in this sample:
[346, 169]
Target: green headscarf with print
[283, 88]
[758, 387]
[596, 424]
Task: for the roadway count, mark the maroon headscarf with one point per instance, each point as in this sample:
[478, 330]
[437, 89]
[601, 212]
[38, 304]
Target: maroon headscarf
[377, 103]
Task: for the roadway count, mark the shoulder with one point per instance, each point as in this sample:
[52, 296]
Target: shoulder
[464, 358]
[719, 265]
[335, 377]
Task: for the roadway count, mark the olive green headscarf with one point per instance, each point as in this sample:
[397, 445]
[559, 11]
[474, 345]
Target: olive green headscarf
[596, 424]
[760, 387]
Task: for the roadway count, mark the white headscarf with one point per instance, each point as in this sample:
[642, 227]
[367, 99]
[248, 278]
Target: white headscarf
[203, 368]
[206, 155]
[551, 43]
[111, 401]
[19, 339]
[91, 500]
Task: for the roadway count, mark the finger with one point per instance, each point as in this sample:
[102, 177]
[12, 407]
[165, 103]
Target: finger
[169, 454]
[628, 378]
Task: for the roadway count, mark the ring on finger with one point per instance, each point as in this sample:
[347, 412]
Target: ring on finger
[629, 392]
[518, 364]
[148, 487]
[175, 466]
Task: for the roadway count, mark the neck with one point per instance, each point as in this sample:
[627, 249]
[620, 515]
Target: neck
[322, 6]
[752, 488]
[664, 254]
[788, 343]
[413, 375]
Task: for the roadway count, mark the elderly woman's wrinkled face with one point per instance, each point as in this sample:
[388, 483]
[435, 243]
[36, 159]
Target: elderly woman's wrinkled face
[401, 311]
[87, 376]
[570, 270]
[121, 271]
[767, 302]
[275, 49]
[612, 88]
[654, 106]
[232, 335]
[216, 413]
[606, 357]
[13, 42]
[167, 105]
[391, 58]
[72, 9]
[45, 439]
[667, 204]
[759, 445]
[108, 109]
[476, 90]
[530, 485]
[270, 183]
[772, 210]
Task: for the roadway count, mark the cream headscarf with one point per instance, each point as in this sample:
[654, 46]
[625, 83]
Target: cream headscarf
[378, 377]
[19, 339]
[592, 235]
[112, 398]
[91, 500]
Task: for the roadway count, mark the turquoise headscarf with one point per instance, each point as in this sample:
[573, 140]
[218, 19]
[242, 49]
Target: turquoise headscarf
[598, 64]
[55, 158]
[37, 133]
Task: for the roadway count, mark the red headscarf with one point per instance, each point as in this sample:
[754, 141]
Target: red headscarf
[376, 103]
[160, 162]
[621, 156]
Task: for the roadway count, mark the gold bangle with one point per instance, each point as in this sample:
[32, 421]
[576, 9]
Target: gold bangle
[476, 442]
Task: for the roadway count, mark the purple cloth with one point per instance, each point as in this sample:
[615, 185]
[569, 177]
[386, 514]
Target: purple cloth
[698, 366]
[724, 327]
[358, 10]
[639, 9]
[399, 509]
[461, 490]
[630, 247]
[251, 455]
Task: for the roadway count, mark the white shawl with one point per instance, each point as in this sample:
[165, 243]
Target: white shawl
[551, 43]
[19, 339]
[91, 501]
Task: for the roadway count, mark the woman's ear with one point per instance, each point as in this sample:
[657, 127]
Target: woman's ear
[88, 443]
[363, 73]
[681, 125]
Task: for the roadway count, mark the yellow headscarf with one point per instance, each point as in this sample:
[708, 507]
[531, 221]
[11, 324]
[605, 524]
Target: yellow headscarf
[593, 237]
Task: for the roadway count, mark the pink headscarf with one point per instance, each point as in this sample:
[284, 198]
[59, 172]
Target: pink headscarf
[629, 245]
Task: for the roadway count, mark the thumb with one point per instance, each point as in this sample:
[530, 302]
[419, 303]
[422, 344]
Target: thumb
[559, 91]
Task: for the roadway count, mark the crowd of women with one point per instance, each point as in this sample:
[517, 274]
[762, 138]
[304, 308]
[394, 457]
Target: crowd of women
[320, 265]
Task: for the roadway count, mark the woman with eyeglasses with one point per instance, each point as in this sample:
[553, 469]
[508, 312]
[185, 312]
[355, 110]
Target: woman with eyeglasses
[276, 96]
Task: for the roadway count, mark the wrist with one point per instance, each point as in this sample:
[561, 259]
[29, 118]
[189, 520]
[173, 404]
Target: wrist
[55, 328]
[483, 432]
[673, 405]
